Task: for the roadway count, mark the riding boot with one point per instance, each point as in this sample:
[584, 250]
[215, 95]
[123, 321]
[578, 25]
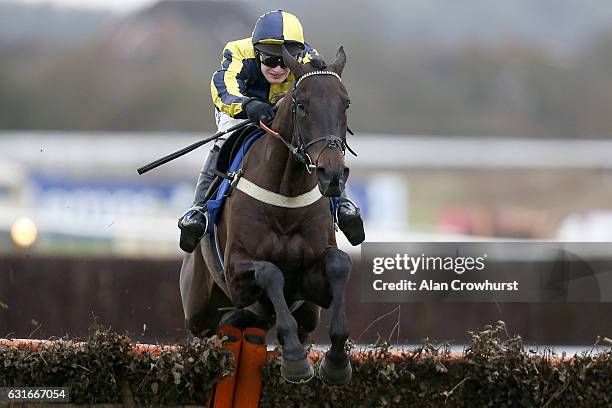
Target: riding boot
[194, 223]
[349, 220]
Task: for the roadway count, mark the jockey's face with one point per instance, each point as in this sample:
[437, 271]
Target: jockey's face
[276, 75]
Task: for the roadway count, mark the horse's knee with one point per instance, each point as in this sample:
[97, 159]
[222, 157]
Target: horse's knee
[267, 275]
[337, 265]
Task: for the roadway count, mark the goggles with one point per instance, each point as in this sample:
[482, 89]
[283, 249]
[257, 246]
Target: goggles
[269, 60]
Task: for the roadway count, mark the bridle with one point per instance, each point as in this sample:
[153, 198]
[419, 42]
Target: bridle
[301, 150]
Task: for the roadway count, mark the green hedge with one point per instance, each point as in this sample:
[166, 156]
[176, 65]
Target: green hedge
[98, 371]
[496, 371]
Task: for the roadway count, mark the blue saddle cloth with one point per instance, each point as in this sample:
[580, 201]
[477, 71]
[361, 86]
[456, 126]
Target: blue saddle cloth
[215, 205]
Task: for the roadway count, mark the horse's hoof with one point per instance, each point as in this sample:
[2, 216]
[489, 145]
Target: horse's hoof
[297, 371]
[333, 375]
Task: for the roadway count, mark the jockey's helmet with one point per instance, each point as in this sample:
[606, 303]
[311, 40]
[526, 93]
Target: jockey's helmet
[275, 29]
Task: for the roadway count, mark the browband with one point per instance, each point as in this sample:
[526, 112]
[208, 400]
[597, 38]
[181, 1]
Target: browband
[306, 75]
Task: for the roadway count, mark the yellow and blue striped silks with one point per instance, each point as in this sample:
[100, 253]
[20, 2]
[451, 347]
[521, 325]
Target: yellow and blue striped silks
[240, 78]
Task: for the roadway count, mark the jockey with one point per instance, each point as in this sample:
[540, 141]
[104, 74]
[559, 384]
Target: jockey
[251, 80]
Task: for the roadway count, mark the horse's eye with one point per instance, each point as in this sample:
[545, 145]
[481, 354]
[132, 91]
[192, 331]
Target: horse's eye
[300, 105]
[348, 104]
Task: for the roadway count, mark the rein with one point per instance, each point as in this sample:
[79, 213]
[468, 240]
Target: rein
[301, 150]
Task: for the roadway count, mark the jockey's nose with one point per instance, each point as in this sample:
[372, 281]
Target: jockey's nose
[332, 179]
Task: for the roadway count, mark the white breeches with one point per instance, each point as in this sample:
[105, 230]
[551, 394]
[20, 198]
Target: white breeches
[224, 121]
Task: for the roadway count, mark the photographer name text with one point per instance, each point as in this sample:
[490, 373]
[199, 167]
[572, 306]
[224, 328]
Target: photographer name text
[414, 264]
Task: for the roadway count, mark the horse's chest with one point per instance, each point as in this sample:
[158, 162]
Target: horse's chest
[287, 251]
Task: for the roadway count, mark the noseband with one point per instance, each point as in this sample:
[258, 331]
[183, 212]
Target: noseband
[301, 150]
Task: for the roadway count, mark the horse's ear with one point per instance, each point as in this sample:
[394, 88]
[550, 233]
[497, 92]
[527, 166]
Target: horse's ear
[338, 65]
[291, 63]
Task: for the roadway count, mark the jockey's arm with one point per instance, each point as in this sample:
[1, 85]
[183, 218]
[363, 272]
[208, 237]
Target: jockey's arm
[228, 84]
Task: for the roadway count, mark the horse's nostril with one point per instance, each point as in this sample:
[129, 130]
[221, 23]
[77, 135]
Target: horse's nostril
[345, 174]
[322, 174]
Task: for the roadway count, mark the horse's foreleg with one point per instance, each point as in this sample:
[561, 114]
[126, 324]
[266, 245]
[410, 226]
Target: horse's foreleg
[295, 366]
[335, 368]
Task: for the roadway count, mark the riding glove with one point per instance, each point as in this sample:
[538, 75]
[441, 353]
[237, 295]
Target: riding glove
[257, 110]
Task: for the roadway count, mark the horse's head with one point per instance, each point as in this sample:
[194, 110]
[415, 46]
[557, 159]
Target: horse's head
[316, 106]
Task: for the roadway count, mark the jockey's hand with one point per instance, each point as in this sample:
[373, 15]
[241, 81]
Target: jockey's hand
[257, 110]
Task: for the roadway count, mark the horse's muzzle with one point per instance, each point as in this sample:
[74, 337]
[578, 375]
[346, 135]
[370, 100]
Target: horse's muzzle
[332, 179]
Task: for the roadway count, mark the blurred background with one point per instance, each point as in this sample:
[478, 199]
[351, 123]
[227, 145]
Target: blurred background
[480, 119]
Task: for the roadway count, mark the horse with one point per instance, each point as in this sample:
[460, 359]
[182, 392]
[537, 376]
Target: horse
[281, 262]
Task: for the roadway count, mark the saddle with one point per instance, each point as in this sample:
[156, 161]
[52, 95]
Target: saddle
[230, 148]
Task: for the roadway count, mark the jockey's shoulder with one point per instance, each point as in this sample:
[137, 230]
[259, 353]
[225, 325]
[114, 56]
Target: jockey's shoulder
[242, 48]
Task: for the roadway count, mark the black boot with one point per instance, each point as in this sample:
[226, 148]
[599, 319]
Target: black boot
[194, 223]
[349, 221]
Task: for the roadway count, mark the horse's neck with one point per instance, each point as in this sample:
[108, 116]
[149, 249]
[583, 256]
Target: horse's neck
[271, 166]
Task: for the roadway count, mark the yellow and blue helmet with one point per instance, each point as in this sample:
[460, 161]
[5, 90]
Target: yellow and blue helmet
[275, 29]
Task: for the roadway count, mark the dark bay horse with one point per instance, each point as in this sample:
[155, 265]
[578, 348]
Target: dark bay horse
[281, 262]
